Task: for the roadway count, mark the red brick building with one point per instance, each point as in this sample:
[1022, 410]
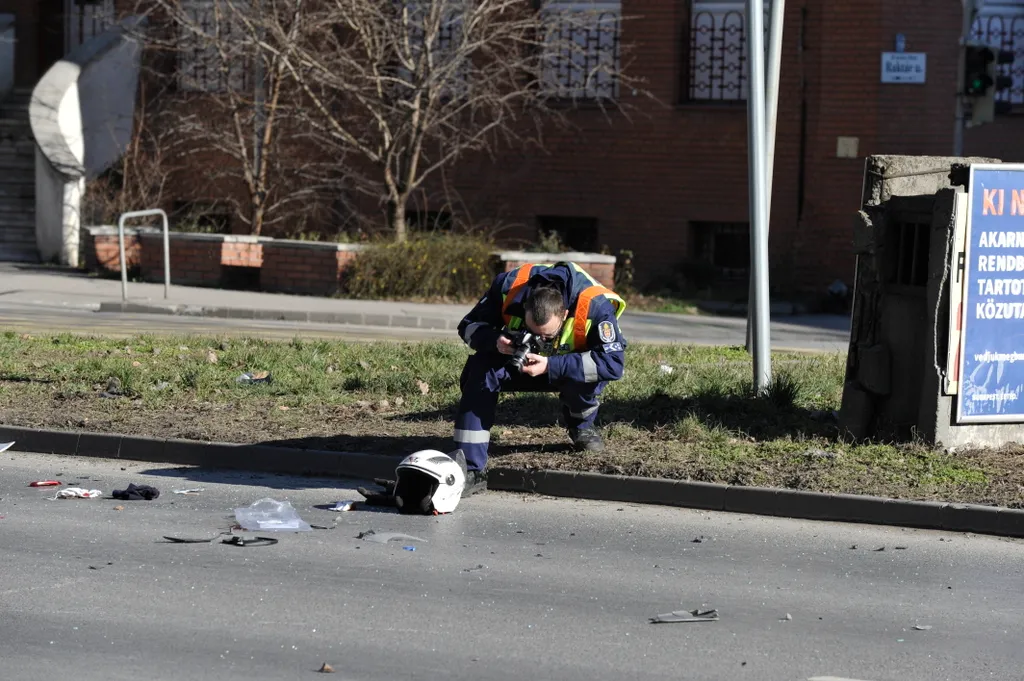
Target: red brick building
[670, 182]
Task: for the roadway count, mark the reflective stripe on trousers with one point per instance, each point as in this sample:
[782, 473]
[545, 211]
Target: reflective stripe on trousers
[487, 374]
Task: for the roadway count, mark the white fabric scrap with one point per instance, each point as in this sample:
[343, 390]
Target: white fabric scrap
[78, 493]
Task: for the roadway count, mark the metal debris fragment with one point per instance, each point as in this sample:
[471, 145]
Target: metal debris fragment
[686, 616]
[385, 537]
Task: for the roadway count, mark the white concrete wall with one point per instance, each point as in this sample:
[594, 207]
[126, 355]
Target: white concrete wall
[7, 37]
[82, 114]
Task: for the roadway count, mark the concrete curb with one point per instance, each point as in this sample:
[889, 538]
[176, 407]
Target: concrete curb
[352, 318]
[267, 458]
[850, 508]
[785, 503]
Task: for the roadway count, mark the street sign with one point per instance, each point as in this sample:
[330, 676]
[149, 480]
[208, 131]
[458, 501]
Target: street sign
[904, 67]
[991, 373]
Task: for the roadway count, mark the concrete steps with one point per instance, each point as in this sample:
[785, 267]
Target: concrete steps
[17, 180]
[19, 254]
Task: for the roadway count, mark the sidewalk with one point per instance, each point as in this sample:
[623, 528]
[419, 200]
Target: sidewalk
[28, 288]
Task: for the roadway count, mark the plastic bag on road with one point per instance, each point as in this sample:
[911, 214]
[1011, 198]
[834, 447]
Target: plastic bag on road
[269, 515]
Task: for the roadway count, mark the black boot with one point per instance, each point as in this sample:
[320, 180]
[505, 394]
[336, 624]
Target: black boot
[586, 439]
[476, 481]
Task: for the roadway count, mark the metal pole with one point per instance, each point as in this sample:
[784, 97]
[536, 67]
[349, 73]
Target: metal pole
[124, 268]
[757, 148]
[167, 256]
[965, 36]
[775, 32]
[167, 248]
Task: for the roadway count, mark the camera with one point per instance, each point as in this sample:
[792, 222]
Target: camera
[524, 343]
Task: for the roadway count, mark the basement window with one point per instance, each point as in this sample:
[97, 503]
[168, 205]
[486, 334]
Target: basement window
[575, 233]
[724, 245]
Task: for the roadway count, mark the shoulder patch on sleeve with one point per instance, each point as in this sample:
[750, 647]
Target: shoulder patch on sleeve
[606, 332]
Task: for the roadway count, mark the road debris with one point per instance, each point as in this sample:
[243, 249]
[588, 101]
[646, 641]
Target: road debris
[251, 542]
[409, 548]
[686, 616]
[385, 537]
[666, 369]
[270, 514]
[346, 505]
[211, 357]
[136, 493]
[475, 569]
[787, 618]
[423, 386]
[250, 377]
[113, 388]
[119, 508]
[78, 493]
[44, 483]
[922, 627]
[195, 540]
[194, 490]
[699, 540]
[326, 669]
[4, 446]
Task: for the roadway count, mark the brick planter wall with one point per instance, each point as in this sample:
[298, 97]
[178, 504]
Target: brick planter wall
[103, 252]
[309, 267]
[198, 259]
[275, 265]
[599, 266]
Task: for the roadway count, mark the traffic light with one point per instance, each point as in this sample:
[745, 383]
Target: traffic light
[984, 82]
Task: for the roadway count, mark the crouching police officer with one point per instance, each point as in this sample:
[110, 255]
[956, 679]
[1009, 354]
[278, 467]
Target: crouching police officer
[577, 349]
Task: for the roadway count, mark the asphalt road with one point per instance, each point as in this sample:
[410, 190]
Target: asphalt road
[508, 587]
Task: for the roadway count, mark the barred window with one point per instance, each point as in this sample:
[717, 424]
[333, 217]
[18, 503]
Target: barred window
[445, 50]
[85, 19]
[718, 50]
[212, 28]
[1000, 25]
[583, 58]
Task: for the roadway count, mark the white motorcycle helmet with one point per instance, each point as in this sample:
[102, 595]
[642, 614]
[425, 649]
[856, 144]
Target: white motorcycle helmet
[430, 481]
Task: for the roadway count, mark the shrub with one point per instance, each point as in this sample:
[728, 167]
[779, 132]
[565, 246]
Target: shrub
[431, 266]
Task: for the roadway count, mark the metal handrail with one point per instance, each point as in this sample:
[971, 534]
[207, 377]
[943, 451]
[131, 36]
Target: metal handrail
[167, 249]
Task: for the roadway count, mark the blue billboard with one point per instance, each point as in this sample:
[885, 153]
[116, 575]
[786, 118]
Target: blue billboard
[992, 318]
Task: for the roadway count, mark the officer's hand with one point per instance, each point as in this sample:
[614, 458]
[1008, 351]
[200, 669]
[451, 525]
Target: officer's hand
[505, 346]
[536, 365]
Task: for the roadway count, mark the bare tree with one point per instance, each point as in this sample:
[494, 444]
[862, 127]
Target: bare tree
[403, 89]
[227, 107]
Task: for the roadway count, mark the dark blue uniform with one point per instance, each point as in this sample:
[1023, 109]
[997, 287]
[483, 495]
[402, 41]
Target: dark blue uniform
[578, 374]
